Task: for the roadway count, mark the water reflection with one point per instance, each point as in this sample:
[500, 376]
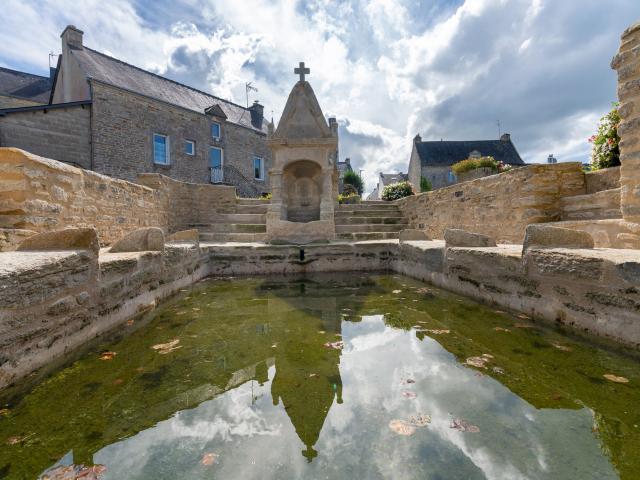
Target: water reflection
[254, 386]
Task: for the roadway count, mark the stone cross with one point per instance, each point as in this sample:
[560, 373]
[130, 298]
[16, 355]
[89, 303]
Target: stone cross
[301, 70]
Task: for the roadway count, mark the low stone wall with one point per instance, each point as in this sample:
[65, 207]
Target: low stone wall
[191, 204]
[53, 302]
[39, 194]
[499, 205]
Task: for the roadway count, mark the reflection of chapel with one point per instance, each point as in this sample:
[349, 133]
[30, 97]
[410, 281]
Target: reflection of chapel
[304, 177]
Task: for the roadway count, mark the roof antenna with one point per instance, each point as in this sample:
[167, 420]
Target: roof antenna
[247, 88]
[499, 131]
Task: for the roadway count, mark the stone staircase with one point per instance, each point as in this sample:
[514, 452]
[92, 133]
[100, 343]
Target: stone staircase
[369, 220]
[597, 205]
[247, 224]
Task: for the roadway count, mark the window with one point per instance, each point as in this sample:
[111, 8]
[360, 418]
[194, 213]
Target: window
[215, 130]
[216, 161]
[258, 168]
[451, 177]
[189, 147]
[161, 149]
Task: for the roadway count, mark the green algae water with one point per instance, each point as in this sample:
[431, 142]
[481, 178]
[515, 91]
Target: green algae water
[330, 377]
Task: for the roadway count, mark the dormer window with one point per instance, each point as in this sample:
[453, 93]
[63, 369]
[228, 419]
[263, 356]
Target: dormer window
[215, 130]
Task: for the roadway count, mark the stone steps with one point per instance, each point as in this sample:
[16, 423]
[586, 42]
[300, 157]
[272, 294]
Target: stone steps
[252, 201]
[232, 237]
[363, 220]
[604, 204]
[368, 213]
[256, 208]
[353, 236]
[384, 206]
[239, 218]
[232, 228]
[376, 227]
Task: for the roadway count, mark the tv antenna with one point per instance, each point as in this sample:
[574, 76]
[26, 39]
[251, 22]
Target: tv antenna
[248, 88]
[499, 130]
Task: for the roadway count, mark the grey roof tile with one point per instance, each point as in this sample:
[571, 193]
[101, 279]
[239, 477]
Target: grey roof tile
[117, 73]
[449, 152]
[24, 85]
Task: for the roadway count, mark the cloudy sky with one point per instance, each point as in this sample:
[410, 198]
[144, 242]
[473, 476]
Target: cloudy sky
[387, 69]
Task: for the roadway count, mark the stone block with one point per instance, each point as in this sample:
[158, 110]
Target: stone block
[187, 236]
[412, 234]
[460, 238]
[66, 239]
[10, 238]
[140, 240]
[545, 236]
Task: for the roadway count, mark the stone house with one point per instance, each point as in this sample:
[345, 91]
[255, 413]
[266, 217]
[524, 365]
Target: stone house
[386, 179]
[433, 160]
[117, 119]
[20, 89]
[343, 167]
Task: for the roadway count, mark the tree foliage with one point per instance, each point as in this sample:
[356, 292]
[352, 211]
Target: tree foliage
[425, 184]
[352, 178]
[394, 191]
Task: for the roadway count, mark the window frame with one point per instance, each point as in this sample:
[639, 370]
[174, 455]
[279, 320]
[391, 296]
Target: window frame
[193, 147]
[167, 147]
[219, 131]
[262, 171]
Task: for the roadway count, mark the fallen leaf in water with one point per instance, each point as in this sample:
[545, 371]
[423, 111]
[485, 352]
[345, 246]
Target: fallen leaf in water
[463, 426]
[275, 345]
[130, 322]
[15, 440]
[614, 378]
[397, 291]
[498, 370]
[322, 332]
[182, 312]
[523, 316]
[424, 291]
[118, 381]
[195, 309]
[420, 420]
[209, 459]
[556, 396]
[401, 427]
[140, 369]
[409, 394]
[107, 355]
[311, 375]
[487, 355]
[500, 312]
[164, 348]
[501, 329]
[4, 411]
[75, 472]
[522, 325]
[564, 348]
[436, 331]
[335, 345]
[478, 362]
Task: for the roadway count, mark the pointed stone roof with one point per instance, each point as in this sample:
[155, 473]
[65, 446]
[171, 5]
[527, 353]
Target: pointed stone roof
[302, 117]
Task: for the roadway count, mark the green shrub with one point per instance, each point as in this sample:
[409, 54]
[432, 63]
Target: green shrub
[425, 184]
[352, 178]
[266, 196]
[605, 151]
[349, 190]
[473, 163]
[394, 191]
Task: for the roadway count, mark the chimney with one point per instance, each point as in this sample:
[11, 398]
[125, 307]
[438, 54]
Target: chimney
[417, 138]
[72, 37]
[257, 114]
[505, 137]
[347, 161]
[333, 126]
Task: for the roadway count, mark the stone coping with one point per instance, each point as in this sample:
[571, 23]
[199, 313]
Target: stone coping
[14, 262]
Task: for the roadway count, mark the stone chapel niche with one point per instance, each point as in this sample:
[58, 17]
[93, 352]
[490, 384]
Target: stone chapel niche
[302, 191]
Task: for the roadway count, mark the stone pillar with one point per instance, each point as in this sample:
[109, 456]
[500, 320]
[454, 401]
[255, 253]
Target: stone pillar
[627, 64]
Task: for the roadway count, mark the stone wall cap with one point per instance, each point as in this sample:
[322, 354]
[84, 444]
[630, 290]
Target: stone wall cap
[149, 239]
[66, 239]
[547, 236]
[412, 235]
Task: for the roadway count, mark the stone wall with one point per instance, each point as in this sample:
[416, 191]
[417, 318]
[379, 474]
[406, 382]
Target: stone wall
[123, 128]
[627, 64]
[191, 204]
[39, 194]
[499, 205]
[605, 179]
[59, 133]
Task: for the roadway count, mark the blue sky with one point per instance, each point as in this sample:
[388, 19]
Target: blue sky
[387, 69]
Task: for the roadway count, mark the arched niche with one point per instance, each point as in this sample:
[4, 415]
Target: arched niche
[302, 191]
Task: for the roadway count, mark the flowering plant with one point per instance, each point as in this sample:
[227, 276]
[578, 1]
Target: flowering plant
[605, 150]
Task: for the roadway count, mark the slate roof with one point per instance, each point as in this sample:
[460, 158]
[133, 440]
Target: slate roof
[443, 153]
[117, 73]
[24, 85]
[387, 178]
